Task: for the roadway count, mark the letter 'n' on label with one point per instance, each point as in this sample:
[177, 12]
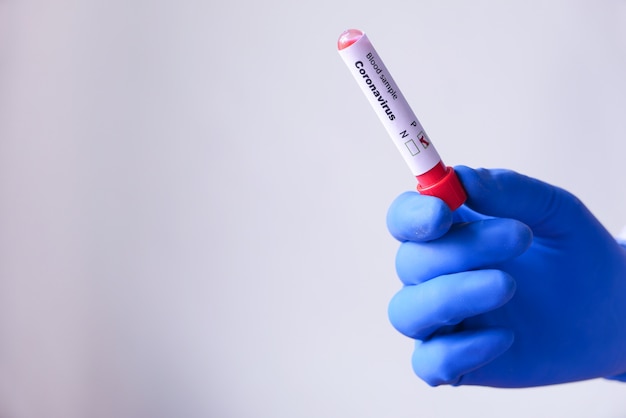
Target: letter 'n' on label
[412, 147]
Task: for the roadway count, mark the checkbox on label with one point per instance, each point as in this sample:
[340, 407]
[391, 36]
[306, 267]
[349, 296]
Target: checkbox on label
[412, 147]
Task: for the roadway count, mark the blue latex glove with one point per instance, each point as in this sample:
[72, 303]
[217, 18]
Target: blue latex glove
[522, 286]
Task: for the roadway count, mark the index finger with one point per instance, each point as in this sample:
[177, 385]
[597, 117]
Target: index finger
[418, 218]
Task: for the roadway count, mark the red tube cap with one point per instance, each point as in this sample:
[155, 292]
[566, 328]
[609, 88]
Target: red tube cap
[448, 189]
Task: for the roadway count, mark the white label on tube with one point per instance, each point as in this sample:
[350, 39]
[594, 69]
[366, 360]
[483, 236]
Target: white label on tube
[390, 106]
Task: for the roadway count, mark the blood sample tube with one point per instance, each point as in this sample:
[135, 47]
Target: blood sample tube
[368, 69]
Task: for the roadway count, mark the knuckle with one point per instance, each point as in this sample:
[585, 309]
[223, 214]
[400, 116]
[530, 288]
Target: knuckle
[435, 368]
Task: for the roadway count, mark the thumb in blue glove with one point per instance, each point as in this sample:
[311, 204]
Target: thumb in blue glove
[522, 286]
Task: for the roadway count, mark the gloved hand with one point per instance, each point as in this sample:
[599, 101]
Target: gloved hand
[521, 286]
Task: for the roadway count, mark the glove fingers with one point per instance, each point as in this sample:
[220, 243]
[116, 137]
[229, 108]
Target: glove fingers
[468, 246]
[464, 214]
[445, 359]
[507, 194]
[413, 217]
[418, 311]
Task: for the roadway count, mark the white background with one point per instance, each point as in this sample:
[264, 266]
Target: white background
[193, 193]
